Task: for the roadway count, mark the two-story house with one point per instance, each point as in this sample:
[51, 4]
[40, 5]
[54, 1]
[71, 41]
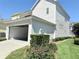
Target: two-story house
[46, 17]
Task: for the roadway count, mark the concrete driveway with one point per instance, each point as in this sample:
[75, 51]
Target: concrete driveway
[6, 47]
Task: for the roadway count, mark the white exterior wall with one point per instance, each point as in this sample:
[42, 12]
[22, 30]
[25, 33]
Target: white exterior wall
[62, 25]
[56, 15]
[7, 32]
[29, 33]
[15, 17]
[41, 10]
[2, 27]
[39, 27]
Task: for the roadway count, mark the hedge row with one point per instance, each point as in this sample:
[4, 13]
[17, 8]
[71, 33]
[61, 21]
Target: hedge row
[39, 40]
[76, 40]
[61, 38]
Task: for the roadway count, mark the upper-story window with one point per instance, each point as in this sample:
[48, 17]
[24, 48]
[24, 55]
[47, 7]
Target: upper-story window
[47, 10]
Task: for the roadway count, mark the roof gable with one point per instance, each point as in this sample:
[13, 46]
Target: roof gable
[37, 1]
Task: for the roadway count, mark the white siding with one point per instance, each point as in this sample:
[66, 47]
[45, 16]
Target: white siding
[2, 27]
[15, 17]
[41, 10]
[56, 15]
[62, 25]
[39, 27]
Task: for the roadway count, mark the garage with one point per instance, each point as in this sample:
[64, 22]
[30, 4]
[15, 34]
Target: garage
[19, 32]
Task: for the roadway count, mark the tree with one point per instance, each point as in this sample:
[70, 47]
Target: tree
[75, 29]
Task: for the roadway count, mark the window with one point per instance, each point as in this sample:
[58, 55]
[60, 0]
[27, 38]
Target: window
[47, 11]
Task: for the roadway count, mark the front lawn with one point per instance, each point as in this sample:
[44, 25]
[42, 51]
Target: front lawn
[67, 50]
[18, 54]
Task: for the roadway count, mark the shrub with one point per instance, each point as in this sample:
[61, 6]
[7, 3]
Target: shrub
[42, 52]
[75, 29]
[40, 48]
[61, 38]
[76, 41]
[39, 40]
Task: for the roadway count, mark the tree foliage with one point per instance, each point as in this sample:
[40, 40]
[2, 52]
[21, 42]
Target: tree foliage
[75, 29]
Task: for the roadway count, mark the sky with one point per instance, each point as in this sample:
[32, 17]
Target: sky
[72, 8]
[9, 7]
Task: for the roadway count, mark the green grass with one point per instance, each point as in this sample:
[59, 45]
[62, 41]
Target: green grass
[18, 54]
[67, 50]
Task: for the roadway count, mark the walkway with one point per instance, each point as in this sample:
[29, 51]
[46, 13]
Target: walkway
[6, 47]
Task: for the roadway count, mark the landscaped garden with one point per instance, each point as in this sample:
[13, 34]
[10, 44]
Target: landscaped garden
[40, 49]
[66, 50]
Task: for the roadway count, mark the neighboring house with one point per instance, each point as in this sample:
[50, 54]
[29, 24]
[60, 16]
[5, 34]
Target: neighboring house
[46, 17]
[2, 28]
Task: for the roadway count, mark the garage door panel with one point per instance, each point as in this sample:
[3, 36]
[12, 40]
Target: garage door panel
[18, 32]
